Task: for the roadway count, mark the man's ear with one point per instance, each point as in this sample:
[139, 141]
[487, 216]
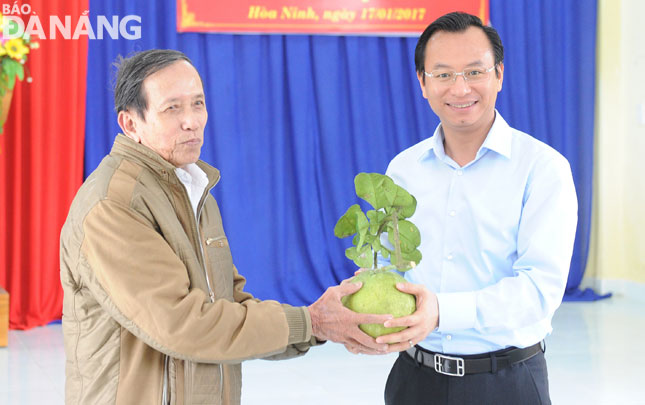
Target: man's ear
[128, 125]
[421, 77]
[500, 76]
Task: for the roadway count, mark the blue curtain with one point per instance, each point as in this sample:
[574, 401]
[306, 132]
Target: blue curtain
[293, 118]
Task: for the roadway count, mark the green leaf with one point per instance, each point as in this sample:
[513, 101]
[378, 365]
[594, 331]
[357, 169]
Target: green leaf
[12, 68]
[369, 187]
[376, 243]
[376, 219]
[414, 256]
[365, 258]
[351, 253]
[362, 228]
[408, 210]
[362, 257]
[394, 259]
[391, 203]
[381, 192]
[377, 189]
[21, 72]
[367, 241]
[402, 198]
[409, 236]
[346, 225]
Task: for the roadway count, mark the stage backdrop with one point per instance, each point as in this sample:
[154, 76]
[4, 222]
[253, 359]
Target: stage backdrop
[293, 118]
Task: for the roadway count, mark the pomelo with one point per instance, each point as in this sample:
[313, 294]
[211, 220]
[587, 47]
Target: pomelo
[379, 295]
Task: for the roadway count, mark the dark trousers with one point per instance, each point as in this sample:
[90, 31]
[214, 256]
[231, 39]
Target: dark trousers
[523, 383]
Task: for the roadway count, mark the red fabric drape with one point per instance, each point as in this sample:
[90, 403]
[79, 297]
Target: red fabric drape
[41, 167]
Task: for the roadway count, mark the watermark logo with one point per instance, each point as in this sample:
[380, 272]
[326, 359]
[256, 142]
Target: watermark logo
[115, 27]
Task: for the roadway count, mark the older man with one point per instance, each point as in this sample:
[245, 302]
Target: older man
[154, 309]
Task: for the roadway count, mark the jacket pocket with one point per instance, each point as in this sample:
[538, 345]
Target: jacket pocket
[220, 266]
[203, 383]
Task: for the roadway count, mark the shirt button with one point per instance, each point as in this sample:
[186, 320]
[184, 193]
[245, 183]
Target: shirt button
[460, 172]
[448, 337]
[452, 213]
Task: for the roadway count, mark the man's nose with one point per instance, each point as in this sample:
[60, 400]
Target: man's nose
[190, 121]
[460, 86]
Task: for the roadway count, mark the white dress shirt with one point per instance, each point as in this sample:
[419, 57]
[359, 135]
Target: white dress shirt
[496, 237]
[195, 181]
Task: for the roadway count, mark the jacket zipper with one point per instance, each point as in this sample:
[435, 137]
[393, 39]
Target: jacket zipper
[211, 295]
[208, 283]
[164, 395]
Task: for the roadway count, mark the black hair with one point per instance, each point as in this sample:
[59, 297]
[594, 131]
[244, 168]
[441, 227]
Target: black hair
[456, 22]
[132, 71]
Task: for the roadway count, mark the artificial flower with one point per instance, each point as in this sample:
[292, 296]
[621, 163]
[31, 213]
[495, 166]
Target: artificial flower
[16, 48]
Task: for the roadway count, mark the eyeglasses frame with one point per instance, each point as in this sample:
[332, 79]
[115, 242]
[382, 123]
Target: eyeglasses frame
[462, 74]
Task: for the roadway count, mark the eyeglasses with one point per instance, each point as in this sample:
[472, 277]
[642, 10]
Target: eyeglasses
[471, 75]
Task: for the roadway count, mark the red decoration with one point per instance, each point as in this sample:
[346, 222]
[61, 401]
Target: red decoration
[41, 167]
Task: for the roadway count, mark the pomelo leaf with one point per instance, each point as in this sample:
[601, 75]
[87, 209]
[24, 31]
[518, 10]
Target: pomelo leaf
[372, 187]
[408, 210]
[414, 256]
[362, 257]
[380, 191]
[376, 219]
[402, 198]
[350, 222]
[409, 235]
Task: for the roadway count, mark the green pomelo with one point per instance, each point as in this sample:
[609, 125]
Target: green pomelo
[379, 295]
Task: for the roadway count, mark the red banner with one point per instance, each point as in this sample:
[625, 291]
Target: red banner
[374, 17]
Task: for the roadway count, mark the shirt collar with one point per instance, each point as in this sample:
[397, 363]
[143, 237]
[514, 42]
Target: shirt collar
[498, 140]
[192, 174]
[499, 137]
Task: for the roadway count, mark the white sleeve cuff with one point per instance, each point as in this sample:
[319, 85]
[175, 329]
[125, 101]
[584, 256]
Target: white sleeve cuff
[457, 311]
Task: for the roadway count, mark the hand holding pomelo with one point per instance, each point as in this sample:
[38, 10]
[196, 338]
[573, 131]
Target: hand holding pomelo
[379, 295]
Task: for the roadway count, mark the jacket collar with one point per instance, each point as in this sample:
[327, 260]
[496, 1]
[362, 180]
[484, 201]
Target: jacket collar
[152, 160]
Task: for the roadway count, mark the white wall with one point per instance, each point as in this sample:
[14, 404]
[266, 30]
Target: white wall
[617, 250]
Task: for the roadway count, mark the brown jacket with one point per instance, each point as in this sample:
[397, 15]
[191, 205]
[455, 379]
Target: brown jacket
[154, 311]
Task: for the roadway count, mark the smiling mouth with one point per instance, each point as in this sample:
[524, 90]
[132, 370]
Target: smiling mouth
[463, 105]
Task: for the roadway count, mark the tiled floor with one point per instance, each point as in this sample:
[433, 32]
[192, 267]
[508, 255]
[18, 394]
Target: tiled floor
[594, 355]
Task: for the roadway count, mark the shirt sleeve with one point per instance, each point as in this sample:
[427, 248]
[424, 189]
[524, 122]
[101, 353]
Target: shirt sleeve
[545, 239]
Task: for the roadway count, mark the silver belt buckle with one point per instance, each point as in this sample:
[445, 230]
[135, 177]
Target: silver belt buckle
[453, 366]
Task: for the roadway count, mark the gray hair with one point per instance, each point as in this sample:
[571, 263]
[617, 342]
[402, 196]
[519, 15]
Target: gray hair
[132, 71]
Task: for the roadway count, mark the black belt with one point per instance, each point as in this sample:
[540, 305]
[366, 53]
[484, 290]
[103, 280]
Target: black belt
[472, 364]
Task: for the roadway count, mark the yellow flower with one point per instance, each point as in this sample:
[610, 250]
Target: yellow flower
[3, 51]
[16, 48]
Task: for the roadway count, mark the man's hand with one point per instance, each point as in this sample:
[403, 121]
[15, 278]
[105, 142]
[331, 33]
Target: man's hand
[332, 321]
[423, 321]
